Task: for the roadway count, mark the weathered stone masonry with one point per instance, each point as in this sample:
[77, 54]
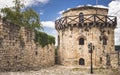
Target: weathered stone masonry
[83, 25]
[18, 50]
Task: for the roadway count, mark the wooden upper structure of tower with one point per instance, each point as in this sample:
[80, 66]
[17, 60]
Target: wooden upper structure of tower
[86, 16]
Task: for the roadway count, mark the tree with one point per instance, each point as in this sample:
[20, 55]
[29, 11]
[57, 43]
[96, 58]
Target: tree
[27, 18]
[31, 19]
[43, 39]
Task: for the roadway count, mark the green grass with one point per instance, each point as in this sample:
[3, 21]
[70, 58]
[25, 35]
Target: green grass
[78, 69]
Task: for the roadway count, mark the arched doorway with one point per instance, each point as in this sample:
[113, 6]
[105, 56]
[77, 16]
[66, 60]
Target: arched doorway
[81, 61]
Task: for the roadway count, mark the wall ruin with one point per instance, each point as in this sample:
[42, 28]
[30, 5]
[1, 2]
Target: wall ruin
[18, 50]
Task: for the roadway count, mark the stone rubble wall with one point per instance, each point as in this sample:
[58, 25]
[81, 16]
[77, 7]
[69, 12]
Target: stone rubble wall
[18, 50]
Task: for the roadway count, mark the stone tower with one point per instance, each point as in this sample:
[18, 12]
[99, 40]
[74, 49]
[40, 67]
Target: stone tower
[83, 25]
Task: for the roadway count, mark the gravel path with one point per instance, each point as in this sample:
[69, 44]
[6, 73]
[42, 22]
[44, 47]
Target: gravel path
[55, 70]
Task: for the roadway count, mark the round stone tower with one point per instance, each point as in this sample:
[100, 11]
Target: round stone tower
[80, 27]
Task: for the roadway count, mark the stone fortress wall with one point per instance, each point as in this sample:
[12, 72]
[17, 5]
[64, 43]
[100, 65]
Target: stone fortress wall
[70, 30]
[19, 51]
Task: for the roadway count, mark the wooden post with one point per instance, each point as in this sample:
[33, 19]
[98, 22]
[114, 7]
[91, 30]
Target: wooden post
[118, 59]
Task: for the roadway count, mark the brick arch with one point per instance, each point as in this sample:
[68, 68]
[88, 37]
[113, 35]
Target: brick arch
[82, 36]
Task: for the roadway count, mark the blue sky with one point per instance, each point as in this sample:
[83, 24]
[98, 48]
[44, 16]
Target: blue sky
[50, 10]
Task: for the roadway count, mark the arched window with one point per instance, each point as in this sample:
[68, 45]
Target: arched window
[81, 41]
[81, 17]
[81, 61]
[104, 41]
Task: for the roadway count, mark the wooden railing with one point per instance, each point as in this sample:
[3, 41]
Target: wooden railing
[86, 18]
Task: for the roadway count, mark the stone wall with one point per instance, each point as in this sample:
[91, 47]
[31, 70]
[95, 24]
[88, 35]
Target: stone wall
[85, 10]
[18, 50]
[70, 51]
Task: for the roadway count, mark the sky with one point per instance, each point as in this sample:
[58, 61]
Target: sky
[50, 10]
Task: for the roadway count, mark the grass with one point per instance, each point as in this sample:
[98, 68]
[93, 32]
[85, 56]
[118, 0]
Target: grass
[79, 69]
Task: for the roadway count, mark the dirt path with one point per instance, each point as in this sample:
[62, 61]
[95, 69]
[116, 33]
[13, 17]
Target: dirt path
[58, 70]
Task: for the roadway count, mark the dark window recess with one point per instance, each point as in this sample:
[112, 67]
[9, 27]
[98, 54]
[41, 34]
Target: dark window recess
[36, 53]
[58, 40]
[15, 57]
[8, 62]
[108, 32]
[81, 41]
[5, 36]
[108, 63]
[100, 60]
[81, 61]
[1, 41]
[81, 17]
[13, 44]
[104, 41]
[100, 38]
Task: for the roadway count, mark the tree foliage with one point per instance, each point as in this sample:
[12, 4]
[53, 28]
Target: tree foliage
[43, 39]
[27, 18]
[31, 19]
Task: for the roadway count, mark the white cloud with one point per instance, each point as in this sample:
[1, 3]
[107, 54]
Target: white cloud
[68, 8]
[34, 2]
[89, 5]
[80, 5]
[60, 12]
[42, 1]
[4, 3]
[41, 13]
[9, 3]
[114, 10]
[114, 7]
[100, 6]
[49, 24]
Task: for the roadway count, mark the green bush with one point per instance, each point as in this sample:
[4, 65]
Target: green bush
[43, 39]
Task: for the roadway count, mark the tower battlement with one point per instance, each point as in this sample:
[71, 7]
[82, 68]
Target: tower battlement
[83, 25]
